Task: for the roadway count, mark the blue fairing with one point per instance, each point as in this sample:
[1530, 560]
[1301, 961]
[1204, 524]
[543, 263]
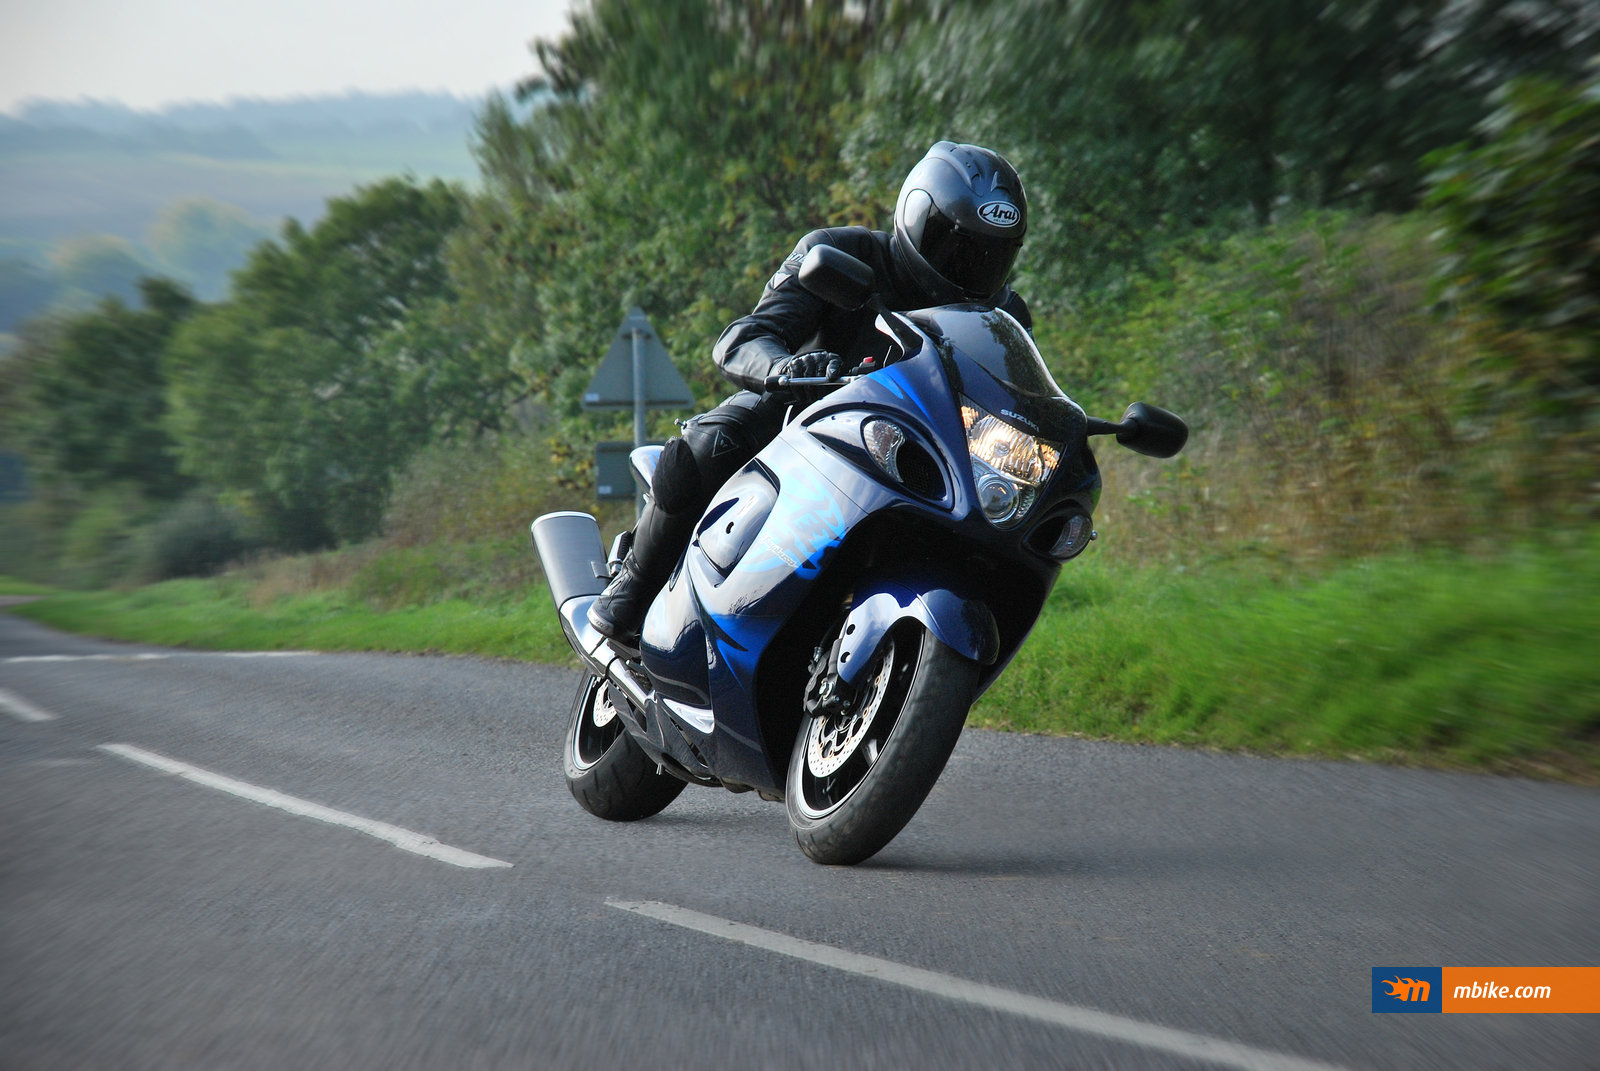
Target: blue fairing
[754, 558]
[778, 525]
[961, 622]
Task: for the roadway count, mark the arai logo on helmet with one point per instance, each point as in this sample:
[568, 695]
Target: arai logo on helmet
[999, 213]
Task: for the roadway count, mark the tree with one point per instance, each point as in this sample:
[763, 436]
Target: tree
[672, 154]
[98, 392]
[1148, 124]
[1520, 207]
[300, 396]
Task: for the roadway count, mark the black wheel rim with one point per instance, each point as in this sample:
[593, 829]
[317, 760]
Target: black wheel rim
[597, 728]
[839, 751]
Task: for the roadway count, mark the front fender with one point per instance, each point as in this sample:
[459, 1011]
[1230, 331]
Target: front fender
[963, 623]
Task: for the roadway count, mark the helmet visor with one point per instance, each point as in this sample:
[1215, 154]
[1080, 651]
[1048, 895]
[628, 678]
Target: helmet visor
[977, 263]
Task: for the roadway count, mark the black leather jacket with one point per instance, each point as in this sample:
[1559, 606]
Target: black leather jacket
[789, 320]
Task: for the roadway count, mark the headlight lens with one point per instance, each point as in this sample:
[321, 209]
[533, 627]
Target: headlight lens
[883, 440]
[1008, 464]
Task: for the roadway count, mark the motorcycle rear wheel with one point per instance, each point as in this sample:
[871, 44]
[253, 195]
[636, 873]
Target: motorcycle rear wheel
[610, 776]
[856, 779]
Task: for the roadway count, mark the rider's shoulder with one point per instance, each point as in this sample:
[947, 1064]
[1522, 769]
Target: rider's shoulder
[859, 242]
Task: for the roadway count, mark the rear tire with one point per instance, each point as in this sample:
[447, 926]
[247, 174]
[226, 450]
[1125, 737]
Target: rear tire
[610, 776]
[856, 779]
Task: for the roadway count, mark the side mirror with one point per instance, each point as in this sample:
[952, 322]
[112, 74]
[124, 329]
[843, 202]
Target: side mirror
[1154, 432]
[836, 277]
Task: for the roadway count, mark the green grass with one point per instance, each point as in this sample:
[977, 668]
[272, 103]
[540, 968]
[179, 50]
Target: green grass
[220, 615]
[1440, 659]
[12, 586]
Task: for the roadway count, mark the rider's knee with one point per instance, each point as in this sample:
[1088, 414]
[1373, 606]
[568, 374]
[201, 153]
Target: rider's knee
[676, 484]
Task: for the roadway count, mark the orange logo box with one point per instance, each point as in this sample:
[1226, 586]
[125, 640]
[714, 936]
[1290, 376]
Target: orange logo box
[1521, 989]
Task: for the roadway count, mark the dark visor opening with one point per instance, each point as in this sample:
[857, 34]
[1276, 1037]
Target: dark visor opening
[978, 264]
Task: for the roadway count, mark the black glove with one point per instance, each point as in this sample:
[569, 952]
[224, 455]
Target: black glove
[818, 364]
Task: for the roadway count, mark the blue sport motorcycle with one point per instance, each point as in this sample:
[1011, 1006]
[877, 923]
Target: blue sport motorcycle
[852, 590]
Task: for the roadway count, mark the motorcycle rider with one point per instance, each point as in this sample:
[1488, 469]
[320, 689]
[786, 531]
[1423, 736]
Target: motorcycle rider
[958, 225]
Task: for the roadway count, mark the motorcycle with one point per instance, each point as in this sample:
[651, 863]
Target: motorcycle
[851, 591]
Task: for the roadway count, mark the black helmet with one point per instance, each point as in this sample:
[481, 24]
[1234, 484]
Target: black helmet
[959, 222]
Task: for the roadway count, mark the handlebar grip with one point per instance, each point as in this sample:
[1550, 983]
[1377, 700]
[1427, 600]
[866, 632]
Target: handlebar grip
[773, 383]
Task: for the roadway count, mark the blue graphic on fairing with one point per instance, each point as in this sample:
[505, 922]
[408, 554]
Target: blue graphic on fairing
[805, 526]
[806, 522]
[893, 378]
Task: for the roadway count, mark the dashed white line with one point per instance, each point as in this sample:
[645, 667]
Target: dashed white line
[153, 656]
[21, 709]
[142, 657]
[1007, 1001]
[404, 839]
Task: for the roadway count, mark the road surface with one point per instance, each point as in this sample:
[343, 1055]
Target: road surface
[369, 861]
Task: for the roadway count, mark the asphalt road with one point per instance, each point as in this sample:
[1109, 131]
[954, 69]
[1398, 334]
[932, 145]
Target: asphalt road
[1055, 904]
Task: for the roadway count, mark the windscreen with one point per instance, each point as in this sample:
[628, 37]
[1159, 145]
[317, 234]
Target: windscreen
[1006, 360]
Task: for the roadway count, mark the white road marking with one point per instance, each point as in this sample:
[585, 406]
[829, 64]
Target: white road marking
[257, 654]
[85, 658]
[1008, 1001]
[404, 839]
[20, 708]
[152, 656]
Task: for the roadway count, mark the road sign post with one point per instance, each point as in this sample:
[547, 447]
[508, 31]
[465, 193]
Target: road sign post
[637, 373]
[638, 388]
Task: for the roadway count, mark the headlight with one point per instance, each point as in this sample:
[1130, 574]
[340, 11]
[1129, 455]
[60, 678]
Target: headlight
[892, 447]
[1008, 465]
[883, 440]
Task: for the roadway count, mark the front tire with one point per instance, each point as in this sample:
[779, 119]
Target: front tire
[610, 776]
[855, 779]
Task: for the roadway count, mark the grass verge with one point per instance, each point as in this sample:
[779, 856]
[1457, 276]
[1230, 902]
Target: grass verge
[1438, 659]
[1444, 659]
[221, 615]
[10, 585]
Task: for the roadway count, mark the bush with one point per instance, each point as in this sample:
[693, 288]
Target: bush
[1520, 210]
[196, 537]
[99, 544]
[491, 490]
[1319, 388]
[1521, 213]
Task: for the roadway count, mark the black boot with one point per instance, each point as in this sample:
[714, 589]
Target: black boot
[618, 611]
[658, 541]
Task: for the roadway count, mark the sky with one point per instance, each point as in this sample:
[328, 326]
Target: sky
[151, 53]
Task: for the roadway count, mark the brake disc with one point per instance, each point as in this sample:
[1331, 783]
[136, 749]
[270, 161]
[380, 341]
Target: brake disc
[835, 737]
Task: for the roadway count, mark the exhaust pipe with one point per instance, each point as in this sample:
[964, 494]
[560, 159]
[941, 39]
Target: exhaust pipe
[570, 551]
[575, 567]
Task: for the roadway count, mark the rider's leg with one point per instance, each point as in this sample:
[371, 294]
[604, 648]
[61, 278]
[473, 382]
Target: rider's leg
[692, 467]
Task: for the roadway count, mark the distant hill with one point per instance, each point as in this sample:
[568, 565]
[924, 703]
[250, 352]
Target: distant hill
[101, 177]
[356, 112]
[70, 168]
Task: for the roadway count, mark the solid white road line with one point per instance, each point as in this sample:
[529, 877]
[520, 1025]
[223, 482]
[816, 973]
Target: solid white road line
[1008, 1001]
[20, 708]
[404, 839]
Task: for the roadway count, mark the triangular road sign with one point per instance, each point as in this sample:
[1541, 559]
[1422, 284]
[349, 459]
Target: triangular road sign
[612, 385]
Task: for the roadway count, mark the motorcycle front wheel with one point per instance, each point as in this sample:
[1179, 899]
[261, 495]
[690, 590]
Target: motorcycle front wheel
[610, 776]
[857, 777]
